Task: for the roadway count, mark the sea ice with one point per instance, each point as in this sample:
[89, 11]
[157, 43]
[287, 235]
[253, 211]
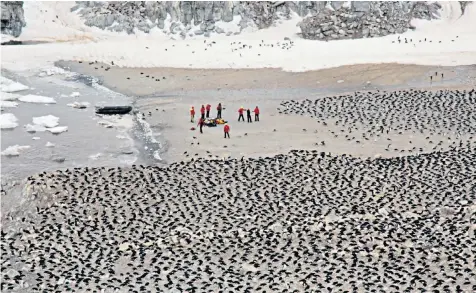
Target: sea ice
[8, 121]
[37, 99]
[75, 94]
[46, 121]
[34, 128]
[10, 86]
[58, 129]
[14, 150]
[79, 105]
[49, 144]
[9, 97]
[8, 104]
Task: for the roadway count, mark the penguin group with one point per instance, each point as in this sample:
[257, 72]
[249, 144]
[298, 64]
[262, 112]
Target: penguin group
[303, 221]
[405, 121]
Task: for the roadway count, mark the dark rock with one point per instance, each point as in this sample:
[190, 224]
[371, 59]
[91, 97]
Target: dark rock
[12, 17]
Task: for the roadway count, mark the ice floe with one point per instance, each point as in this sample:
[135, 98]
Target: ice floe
[46, 121]
[37, 99]
[14, 150]
[8, 121]
[58, 129]
[8, 104]
[10, 86]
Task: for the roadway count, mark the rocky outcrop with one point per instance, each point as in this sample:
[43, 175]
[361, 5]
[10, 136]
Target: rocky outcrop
[365, 19]
[12, 17]
[324, 19]
[463, 5]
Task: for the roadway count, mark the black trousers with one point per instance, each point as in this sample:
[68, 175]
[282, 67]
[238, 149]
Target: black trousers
[201, 126]
[241, 117]
[208, 113]
[219, 114]
[256, 117]
[249, 118]
[203, 115]
[227, 134]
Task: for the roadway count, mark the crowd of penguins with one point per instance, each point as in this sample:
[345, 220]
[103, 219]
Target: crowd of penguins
[303, 221]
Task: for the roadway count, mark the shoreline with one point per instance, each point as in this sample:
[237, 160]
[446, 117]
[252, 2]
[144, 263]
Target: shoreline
[163, 106]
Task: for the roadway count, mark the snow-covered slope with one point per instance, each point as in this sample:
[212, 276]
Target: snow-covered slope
[453, 42]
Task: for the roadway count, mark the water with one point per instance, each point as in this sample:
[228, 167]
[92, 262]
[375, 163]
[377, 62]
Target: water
[86, 143]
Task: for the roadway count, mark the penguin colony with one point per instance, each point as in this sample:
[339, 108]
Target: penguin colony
[443, 119]
[305, 221]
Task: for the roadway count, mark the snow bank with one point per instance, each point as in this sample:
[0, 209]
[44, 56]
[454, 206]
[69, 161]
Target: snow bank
[10, 86]
[46, 121]
[37, 99]
[8, 121]
[14, 150]
[456, 33]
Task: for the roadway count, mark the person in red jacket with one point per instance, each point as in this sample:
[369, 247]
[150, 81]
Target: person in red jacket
[226, 129]
[256, 110]
[201, 122]
[208, 110]
[192, 114]
[202, 111]
[240, 111]
[219, 111]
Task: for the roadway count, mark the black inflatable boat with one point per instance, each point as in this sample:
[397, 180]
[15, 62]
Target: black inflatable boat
[113, 110]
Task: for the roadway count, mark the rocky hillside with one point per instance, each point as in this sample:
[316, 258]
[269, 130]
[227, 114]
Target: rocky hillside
[322, 19]
[12, 17]
[365, 19]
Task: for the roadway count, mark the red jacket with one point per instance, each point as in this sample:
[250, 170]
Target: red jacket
[226, 128]
[200, 122]
[218, 107]
[256, 110]
[241, 110]
[192, 112]
[202, 110]
[209, 107]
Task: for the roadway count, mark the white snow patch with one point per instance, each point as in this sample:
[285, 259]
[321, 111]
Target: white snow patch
[75, 94]
[58, 129]
[37, 99]
[95, 156]
[49, 144]
[8, 121]
[35, 138]
[10, 86]
[14, 150]
[46, 121]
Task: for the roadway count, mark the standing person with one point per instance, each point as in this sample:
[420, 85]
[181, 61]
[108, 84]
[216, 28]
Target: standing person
[201, 121]
[226, 129]
[219, 111]
[248, 116]
[256, 110]
[192, 114]
[240, 111]
[208, 110]
[202, 111]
